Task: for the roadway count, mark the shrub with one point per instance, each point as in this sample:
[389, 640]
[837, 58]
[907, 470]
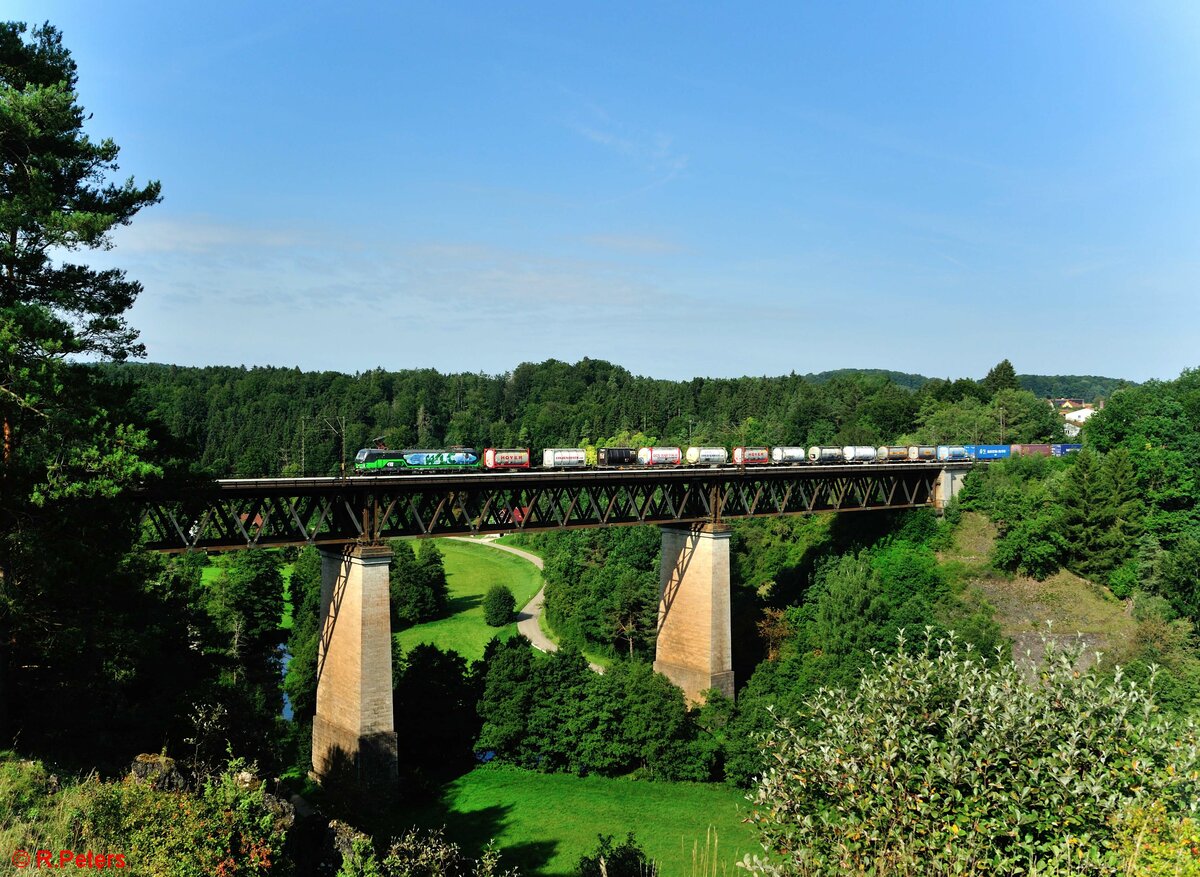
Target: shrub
[415, 854]
[1154, 844]
[1123, 580]
[227, 827]
[942, 763]
[499, 605]
[626, 860]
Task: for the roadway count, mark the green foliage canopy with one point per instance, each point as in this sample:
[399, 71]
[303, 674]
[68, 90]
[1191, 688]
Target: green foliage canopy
[417, 582]
[940, 762]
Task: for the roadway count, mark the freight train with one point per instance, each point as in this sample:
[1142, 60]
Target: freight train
[381, 461]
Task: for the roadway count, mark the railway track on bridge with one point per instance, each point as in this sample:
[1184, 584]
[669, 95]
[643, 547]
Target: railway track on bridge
[233, 514]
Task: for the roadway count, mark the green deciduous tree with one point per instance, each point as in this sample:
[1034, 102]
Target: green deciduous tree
[1024, 418]
[499, 604]
[602, 587]
[247, 604]
[1020, 497]
[506, 696]
[1179, 577]
[554, 714]
[435, 717]
[418, 583]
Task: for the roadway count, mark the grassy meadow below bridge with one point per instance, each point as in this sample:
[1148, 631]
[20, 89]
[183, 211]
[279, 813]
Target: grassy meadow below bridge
[543, 823]
[471, 570]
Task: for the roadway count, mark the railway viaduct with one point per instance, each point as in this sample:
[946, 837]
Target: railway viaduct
[350, 519]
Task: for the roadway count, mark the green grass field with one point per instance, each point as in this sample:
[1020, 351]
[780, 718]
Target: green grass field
[470, 571]
[543, 823]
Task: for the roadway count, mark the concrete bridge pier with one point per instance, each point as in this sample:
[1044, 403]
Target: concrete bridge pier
[947, 486]
[694, 647]
[354, 738]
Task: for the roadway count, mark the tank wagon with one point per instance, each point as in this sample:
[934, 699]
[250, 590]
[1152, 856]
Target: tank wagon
[564, 458]
[751, 456]
[708, 456]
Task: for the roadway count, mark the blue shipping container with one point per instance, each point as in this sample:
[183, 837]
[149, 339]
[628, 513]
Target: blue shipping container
[1063, 450]
[992, 452]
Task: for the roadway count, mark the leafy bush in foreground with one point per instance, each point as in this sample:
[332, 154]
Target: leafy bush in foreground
[1154, 844]
[227, 826]
[941, 763]
[415, 854]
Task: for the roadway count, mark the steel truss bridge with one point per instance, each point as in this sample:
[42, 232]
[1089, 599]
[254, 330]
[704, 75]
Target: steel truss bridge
[245, 513]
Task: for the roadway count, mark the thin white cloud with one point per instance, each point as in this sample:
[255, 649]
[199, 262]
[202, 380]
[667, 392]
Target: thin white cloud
[651, 150]
[197, 235]
[630, 243]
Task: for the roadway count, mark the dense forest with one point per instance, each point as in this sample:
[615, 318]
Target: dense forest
[882, 723]
[271, 421]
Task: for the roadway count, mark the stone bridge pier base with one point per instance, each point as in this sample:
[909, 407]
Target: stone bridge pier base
[354, 738]
[694, 647]
[947, 486]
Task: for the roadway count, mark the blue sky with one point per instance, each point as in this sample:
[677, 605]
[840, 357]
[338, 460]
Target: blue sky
[684, 189]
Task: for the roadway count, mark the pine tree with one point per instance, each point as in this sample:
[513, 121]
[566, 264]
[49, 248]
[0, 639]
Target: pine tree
[57, 200]
[72, 619]
[1002, 377]
[1127, 508]
[1088, 504]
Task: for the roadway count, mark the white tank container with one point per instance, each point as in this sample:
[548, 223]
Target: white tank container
[858, 453]
[788, 455]
[709, 456]
[660, 456]
[564, 458]
[951, 452]
[818, 454]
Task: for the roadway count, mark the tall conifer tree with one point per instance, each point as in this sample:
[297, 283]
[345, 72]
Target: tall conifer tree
[1002, 377]
[66, 441]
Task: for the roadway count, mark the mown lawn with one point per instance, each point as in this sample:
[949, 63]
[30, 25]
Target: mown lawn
[543, 823]
[470, 571]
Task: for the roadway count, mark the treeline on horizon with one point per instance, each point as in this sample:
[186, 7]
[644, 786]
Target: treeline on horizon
[279, 421]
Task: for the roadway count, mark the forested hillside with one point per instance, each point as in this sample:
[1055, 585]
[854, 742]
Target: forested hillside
[1089, 388]
[268, 421]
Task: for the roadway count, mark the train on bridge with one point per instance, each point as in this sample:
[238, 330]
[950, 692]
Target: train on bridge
[382, 461]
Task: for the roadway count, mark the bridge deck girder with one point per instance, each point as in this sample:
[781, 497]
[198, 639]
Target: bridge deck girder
[240, 513]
